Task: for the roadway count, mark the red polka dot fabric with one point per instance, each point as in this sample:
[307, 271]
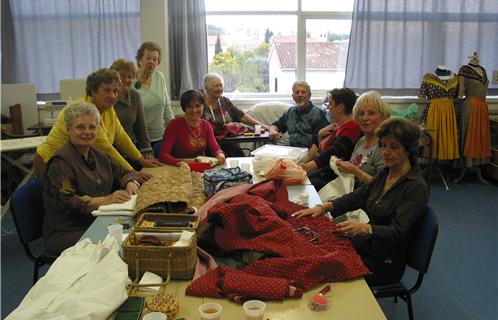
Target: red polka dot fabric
[301, 252]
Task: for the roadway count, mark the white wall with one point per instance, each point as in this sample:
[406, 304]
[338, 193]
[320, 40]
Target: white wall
[25, 95]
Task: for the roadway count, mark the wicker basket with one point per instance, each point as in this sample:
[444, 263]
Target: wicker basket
[148, 220]
[155, 258]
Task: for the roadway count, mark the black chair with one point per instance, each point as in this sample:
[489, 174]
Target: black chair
[418, 259]
[26, 207]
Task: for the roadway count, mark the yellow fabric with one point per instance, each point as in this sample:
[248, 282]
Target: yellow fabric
[433, 79]
[478, 140]
[109, 133]
[441, 119]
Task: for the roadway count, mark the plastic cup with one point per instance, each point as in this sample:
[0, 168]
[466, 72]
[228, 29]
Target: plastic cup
[234, 163]
[257, 129]
[116, 231]
[210, 311]
[155, 316]
[254, 309]
[245, 167]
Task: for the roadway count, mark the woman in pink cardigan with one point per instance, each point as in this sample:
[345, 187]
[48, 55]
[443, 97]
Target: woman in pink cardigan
[189, 136]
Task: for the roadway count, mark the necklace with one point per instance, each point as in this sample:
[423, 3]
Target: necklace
[195, 137]
[391, 180]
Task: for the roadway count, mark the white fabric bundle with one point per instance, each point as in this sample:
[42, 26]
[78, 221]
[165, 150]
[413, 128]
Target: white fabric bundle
[343, 184]
[87, 281]
[117, 209]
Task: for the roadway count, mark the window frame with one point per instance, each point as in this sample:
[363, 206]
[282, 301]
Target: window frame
[302, 17]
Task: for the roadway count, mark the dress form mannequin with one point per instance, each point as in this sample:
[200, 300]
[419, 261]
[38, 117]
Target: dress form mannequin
[475, 141]
[440, 88]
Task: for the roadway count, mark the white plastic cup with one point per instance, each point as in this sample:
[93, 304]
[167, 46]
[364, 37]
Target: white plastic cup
[254, 309]
[245, 167]
[234, 163]
[116, 231]
[210, 311]
[257, 129]
[155, 316]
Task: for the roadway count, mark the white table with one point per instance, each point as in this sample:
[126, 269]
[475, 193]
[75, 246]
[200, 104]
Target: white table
[14, 145]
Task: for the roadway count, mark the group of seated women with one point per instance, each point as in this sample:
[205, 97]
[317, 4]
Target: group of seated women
[93, 154]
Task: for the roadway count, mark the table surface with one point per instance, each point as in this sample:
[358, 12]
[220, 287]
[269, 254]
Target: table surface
[263, 137]
[21, 144]
[349, 299]
[257, 177]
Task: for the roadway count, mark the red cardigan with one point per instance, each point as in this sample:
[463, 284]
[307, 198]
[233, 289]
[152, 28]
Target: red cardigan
[182, 141]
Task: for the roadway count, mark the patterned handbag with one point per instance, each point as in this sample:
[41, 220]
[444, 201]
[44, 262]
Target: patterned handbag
[218, 179]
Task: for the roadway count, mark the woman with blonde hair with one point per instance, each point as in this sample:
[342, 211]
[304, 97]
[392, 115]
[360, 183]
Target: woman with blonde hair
[366, 160]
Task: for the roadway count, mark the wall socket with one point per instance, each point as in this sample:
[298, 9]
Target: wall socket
[494, 80]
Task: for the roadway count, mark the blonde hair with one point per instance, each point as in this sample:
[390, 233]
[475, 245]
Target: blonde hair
[374, 99]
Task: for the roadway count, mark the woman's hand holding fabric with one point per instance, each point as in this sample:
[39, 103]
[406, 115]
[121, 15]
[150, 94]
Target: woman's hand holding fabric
[345, 166]
[351, 228]
[221, 158]
[316, 211]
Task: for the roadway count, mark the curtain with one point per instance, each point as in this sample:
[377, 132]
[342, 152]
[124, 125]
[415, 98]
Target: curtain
[8, 44]
[394, 43]
[188, 45]
[68, 39]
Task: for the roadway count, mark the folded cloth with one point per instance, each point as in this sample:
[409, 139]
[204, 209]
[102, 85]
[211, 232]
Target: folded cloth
[96, 213]
[125, 206]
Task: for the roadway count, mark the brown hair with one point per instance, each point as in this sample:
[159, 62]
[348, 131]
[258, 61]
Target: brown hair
[104, 75]
[124, 66]
[151, 46]
[406, 132]
[190, 96]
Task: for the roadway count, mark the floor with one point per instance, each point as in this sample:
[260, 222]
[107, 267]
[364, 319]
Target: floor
[461, 283]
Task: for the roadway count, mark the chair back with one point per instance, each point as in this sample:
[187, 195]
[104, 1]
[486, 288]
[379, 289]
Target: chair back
[27, 211]
[424, 242]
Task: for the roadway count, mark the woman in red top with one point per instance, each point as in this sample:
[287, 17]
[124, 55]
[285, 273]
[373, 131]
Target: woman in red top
[189, 136]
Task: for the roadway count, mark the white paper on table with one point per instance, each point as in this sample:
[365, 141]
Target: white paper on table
[125, 206]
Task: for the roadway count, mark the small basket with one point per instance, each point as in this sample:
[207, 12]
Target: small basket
[148, 221]
[156, 259]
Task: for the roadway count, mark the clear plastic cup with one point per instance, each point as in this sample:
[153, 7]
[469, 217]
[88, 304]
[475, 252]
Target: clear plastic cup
[234, 163]
[155, 316]
[254, 309]
[116, 231]
[210, 311]
[245, 167]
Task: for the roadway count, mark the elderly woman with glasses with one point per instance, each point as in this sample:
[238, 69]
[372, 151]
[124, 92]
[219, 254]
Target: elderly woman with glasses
[79, 179]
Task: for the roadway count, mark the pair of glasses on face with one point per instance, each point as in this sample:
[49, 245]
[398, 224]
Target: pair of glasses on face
[307, 231]
[81, 127]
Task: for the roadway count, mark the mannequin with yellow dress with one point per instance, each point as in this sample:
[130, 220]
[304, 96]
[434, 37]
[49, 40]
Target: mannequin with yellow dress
[475, 139]
[440, 89]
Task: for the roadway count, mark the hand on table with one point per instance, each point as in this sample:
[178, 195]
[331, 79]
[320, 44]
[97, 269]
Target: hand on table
[132, 188]
[118, 196]
[149, 163]
[221, 158]
[316, 211]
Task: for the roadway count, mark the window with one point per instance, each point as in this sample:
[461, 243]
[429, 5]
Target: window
[256, 45]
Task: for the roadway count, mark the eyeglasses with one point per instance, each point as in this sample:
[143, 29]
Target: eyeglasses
[307, 231]
[81, 127]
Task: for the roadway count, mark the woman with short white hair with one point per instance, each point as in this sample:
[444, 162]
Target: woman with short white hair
[220, 111]
[79, 179]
